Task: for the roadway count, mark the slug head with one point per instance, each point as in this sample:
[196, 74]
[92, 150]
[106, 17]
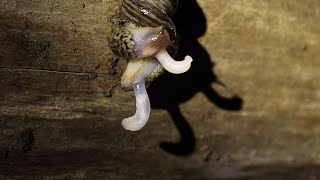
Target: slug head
[149, 41]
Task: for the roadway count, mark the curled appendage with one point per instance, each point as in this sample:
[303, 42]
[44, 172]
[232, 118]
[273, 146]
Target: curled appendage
[140, 118]
[171, 65]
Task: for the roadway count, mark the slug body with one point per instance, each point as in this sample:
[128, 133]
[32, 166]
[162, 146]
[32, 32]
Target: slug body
[144, 35]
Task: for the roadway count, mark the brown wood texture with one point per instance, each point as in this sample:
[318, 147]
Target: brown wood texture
[248, 108]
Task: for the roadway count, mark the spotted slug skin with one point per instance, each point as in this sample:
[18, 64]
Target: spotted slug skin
[136, 14]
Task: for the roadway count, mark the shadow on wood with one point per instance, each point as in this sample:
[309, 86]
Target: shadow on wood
[171, 90]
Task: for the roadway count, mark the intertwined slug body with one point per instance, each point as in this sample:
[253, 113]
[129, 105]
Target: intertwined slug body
[144, 35]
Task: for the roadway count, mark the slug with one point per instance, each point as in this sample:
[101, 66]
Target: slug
[143, 34]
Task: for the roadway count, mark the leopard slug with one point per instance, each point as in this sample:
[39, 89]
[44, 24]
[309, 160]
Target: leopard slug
[143, 34]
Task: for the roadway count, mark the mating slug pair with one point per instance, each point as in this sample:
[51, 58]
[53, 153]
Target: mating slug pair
[146, 37]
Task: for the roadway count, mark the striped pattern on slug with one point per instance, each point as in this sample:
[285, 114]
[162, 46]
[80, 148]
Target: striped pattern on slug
[141, 13]
[150, 13]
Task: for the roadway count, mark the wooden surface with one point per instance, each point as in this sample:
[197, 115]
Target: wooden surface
[248, 108]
